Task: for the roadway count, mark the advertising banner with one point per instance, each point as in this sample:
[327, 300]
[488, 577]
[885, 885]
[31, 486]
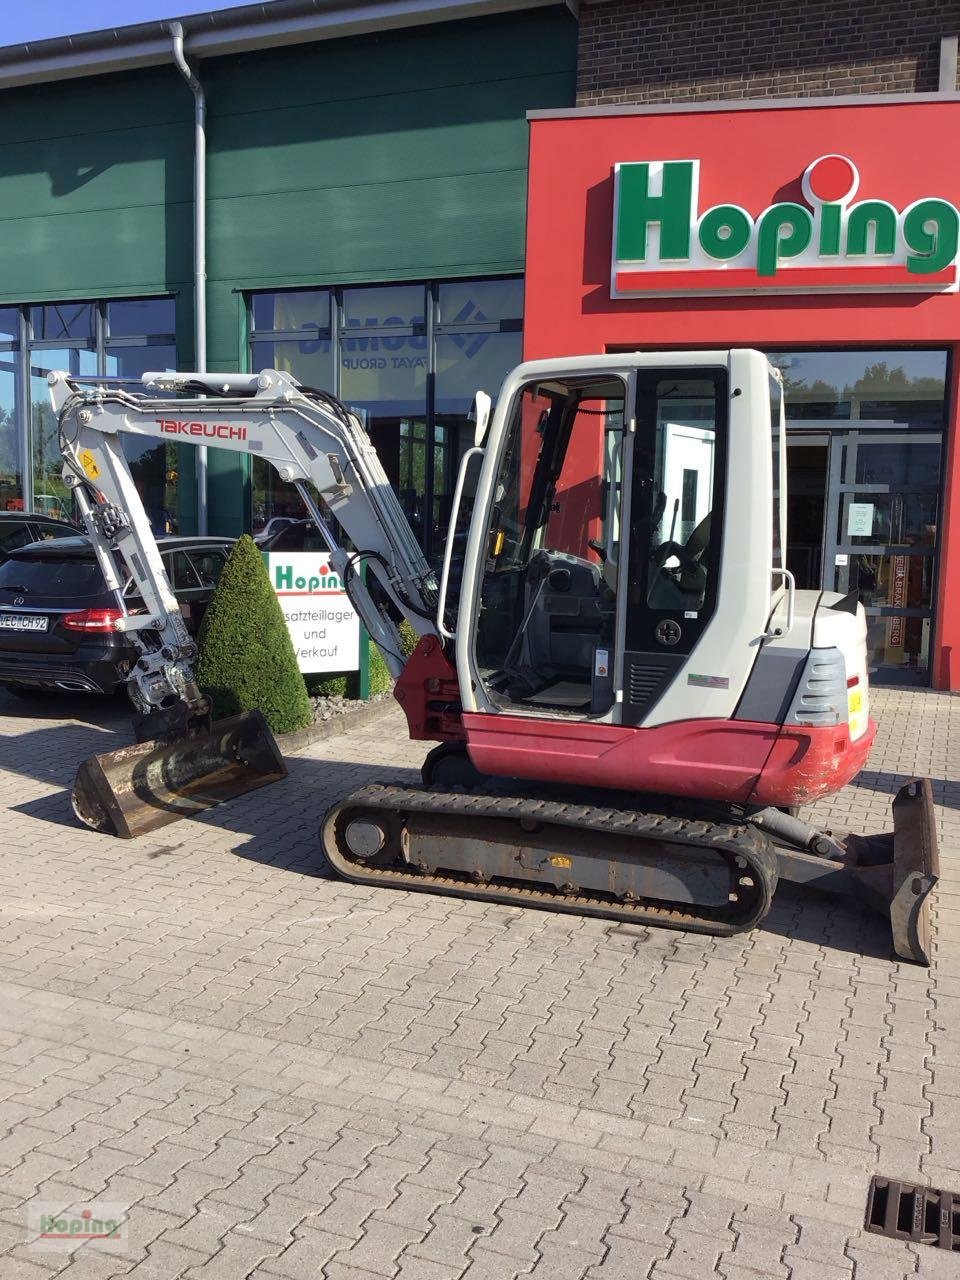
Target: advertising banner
[323, 624]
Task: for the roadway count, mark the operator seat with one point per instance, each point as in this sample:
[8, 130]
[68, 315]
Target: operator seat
[683, 587]
[696, 548]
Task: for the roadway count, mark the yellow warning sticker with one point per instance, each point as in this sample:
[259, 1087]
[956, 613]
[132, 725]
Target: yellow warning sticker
[856, 701]
[560, 860]
[89, 464]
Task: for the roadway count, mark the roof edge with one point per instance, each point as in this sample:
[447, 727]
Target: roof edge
[740, 104]
[240, 30]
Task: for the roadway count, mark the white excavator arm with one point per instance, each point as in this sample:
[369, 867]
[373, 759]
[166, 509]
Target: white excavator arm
[306, 435]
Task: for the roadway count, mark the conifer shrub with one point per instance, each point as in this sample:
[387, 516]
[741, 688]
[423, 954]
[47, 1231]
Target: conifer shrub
[247, 660]
[381, 681]
[408, 638]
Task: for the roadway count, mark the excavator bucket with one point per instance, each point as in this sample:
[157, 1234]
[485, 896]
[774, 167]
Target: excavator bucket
[137, 789]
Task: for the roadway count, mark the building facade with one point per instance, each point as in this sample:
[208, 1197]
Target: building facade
[365, 224]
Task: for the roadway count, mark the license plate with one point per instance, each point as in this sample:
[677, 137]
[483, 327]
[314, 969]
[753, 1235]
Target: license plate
[23, 622]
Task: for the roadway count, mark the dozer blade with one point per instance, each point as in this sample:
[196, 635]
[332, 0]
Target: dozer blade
[140, 788]
[893, 873]
[916, 869]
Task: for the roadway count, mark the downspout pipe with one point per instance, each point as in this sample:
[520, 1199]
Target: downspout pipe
[948, 65]
[199, 244]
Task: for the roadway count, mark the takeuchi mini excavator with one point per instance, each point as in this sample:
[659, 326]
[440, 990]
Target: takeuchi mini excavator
[629, 696]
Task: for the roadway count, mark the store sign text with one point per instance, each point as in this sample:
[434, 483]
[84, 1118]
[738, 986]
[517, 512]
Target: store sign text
[664, 244]
[323, 624]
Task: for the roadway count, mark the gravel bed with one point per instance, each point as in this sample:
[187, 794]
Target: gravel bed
[330, 707]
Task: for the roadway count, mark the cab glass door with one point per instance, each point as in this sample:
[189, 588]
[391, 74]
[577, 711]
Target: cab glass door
[548, 595]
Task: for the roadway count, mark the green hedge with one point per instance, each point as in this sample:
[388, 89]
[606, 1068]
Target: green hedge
[247, 660]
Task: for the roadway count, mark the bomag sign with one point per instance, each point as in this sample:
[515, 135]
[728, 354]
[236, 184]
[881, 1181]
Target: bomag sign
[665, 245]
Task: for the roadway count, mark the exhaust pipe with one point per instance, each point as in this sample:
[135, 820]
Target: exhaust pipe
[77, 686]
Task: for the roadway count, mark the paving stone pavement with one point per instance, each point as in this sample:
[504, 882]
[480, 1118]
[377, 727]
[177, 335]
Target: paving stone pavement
[277, 1074]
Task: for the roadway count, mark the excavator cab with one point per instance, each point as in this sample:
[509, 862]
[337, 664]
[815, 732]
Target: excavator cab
[559, 576]
[605, 531]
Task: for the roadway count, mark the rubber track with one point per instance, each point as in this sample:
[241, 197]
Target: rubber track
[695, 835]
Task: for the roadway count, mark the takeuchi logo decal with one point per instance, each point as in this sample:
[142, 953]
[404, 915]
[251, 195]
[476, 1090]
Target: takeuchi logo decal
[664, 244]
[211, 430]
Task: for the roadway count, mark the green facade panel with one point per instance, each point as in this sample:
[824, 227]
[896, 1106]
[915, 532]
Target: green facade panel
[365, 159]
[96, 188]
[417, 228]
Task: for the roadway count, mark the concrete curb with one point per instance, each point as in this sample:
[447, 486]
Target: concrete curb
[365, 713]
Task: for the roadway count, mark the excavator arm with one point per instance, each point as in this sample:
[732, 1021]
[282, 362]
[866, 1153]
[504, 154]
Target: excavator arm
[183, 762]
[309, 437]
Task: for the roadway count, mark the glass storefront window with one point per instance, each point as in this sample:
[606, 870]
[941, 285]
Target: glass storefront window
[309, 360]
[137, 317]
[865, 436]
[889, 386]
[407, 358]
[154, 467]
[305, 352]
[60, 320]
[306, 311]
[900, 519]
[399, 306]
[74, 336]
[464, 363]
[896, 463]
[477, 301]
[383, 376]
[50, 493]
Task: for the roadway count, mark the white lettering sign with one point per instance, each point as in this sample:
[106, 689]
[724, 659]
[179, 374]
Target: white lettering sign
[323, 624]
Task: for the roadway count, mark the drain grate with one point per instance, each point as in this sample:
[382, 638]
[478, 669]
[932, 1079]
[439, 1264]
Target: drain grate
[908, 1212]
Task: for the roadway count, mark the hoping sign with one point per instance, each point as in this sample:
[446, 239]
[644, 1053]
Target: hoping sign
[323, 624]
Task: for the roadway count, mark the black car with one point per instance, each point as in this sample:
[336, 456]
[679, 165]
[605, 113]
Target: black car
[18, 528]
[295, 535]
[57, 614]
[273, 527]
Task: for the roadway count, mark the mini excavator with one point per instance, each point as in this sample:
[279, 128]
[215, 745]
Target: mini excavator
[629, 695]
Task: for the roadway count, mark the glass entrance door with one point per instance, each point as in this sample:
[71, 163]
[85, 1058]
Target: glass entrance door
[881, 538]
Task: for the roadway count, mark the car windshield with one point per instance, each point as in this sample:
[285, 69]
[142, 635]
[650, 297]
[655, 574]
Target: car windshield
[68, 578]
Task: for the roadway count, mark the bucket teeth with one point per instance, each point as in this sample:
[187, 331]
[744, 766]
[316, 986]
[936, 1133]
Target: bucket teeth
[149, 785]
